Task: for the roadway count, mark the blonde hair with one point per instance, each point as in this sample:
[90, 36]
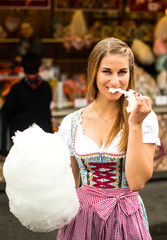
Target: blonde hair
[105, 47]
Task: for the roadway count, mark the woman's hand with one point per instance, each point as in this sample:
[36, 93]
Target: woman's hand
[139, 157]
[141, 110]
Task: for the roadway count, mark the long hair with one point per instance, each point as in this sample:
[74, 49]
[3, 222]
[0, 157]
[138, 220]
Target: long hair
[105, 47]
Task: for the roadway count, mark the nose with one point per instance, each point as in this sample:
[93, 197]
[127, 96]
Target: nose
[114, 80]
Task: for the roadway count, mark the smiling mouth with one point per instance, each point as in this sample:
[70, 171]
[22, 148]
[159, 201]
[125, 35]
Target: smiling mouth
[114, 90]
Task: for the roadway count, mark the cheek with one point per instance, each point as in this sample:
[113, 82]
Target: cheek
[99, 80]
[125, 80]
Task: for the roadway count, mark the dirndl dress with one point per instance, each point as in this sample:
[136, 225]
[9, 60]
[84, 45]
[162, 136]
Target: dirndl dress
[109, 210]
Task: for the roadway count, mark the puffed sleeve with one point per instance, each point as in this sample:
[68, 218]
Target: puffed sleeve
[150, 129]
[65, 132]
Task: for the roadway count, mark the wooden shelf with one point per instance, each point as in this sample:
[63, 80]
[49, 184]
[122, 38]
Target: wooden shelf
[48, 40]
[44, 40]
[160, 108]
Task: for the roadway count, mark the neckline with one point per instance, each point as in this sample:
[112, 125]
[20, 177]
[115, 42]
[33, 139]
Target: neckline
[79, 122]
[98, 149]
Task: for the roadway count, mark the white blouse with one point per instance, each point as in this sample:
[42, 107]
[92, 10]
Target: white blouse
[85, 145]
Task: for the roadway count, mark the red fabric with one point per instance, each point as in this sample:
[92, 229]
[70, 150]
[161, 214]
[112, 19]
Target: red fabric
[34, 81]
[32, 77]
[125, 200]
[106, 214]
[102, 175]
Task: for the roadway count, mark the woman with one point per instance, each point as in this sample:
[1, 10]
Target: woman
[112, 151]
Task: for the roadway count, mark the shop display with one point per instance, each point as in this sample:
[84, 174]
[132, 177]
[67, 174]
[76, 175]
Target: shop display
[160, 161]
[29, 4]
[60, 94]
[146, 84]
[68, 32]
[12, 23]
[160, 49]
[142, 52]
[5, 68]
[75, 87]
[3, 33]
[8, 77]
[88, 4]
[7, 80]
[43, 190]
[127, 30]
[151, 6]
[76, 34]
[58, 27]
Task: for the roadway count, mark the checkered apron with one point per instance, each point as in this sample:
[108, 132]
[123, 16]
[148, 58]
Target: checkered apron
[106, 214]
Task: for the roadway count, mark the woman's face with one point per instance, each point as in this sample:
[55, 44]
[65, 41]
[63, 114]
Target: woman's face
[113, 72]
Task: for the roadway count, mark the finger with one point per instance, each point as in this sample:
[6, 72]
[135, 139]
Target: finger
[146, 106]
[148, 101]
[139, 99]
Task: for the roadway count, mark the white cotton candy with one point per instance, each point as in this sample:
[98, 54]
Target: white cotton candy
[129, 95]
[39, 180]
[131, 100]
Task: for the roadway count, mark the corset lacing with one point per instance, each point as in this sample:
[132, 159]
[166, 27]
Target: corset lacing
[102, 174]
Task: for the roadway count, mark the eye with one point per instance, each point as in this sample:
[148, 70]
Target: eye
[122, 72]
[107, 71]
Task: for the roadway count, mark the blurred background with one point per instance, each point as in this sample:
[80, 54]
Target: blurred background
[67, 31]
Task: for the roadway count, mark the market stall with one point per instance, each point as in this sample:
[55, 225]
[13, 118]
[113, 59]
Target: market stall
[68, 31]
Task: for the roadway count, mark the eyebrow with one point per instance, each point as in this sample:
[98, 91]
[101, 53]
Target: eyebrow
[111, 69]
[106, 68]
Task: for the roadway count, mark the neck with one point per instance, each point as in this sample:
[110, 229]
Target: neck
[106, 108]
[106, 113]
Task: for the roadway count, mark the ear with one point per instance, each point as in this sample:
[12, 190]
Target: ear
[159, 47]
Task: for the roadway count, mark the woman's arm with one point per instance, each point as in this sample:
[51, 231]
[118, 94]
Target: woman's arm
[139, 159]
[76, 171]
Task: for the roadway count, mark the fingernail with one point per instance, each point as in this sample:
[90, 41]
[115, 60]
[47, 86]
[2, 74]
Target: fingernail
[138, 95]
[134, 93]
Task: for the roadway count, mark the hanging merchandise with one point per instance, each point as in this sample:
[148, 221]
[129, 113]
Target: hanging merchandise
[160, 159]
[160, 50]
[144, 57]
[77, 35]
[78, 25]
[57, 28]
[142, 52]
[12, 23]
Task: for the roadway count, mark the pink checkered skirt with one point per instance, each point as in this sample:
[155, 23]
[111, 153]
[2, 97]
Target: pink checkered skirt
[106, 214]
